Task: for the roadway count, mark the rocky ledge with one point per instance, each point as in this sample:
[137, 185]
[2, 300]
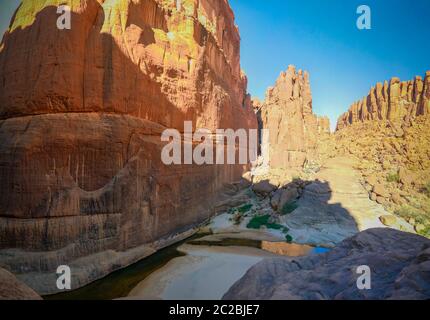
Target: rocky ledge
[399, 264]
[13, 289]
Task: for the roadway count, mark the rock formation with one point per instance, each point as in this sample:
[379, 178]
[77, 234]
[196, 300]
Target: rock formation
[395, 101]
[287, 115]
[388, 132]
[82, 110]
[13, 289]
[399, 264]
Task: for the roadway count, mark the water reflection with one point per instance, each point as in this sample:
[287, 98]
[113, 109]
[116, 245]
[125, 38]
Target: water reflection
[118, 284]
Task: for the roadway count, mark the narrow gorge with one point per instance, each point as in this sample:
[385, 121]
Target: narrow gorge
[83, 183]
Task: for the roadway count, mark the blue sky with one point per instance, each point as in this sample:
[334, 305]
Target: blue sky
[321, 36]
[7, 8]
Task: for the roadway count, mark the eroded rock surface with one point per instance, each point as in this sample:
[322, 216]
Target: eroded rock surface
[287, 115]
[81, 178]
[387, 132]
[399, 264]
[393, 100]
[13, 289]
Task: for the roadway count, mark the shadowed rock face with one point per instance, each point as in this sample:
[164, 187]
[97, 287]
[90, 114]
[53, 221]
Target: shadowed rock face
[12, 289]
[394, 100]
[127, 57]
[287, 114]
[399, 263]
[81, 179]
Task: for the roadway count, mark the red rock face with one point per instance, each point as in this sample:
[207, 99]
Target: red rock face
[82, 113]
[394, 100]
[287, 114]
[125, 57]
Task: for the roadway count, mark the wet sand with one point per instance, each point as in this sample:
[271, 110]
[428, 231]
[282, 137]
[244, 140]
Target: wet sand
[206, 272]
[213, 263]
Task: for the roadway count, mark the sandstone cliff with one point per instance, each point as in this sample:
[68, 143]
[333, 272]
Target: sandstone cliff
[395, 101]
[287, 115]
[82, 110]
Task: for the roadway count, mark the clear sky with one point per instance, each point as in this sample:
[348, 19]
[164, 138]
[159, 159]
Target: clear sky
[7, 9]
[321, 36]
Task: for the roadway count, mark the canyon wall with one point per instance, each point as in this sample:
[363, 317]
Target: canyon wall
[393, 100]
[82, 111]
[389, 132]
[292, 125]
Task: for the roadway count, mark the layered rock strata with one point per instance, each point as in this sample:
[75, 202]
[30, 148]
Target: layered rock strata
[394, 100]
[82, 110]
[388, 132]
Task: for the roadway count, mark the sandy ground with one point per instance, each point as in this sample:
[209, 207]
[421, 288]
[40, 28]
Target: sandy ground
[186, 278]
[335, 207]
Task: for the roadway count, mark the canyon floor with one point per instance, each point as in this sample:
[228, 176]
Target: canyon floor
[331, 227]
[334, 206]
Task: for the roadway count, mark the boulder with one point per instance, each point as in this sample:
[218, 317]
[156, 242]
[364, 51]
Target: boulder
[372, 180]
[13, 289]
[381, 200]
[399, 263]
[287, 196]
[389, 221]
[379, 189]
[420, 228]
[396, 198]
[405, 176]
[274, 201]
[264, 187]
